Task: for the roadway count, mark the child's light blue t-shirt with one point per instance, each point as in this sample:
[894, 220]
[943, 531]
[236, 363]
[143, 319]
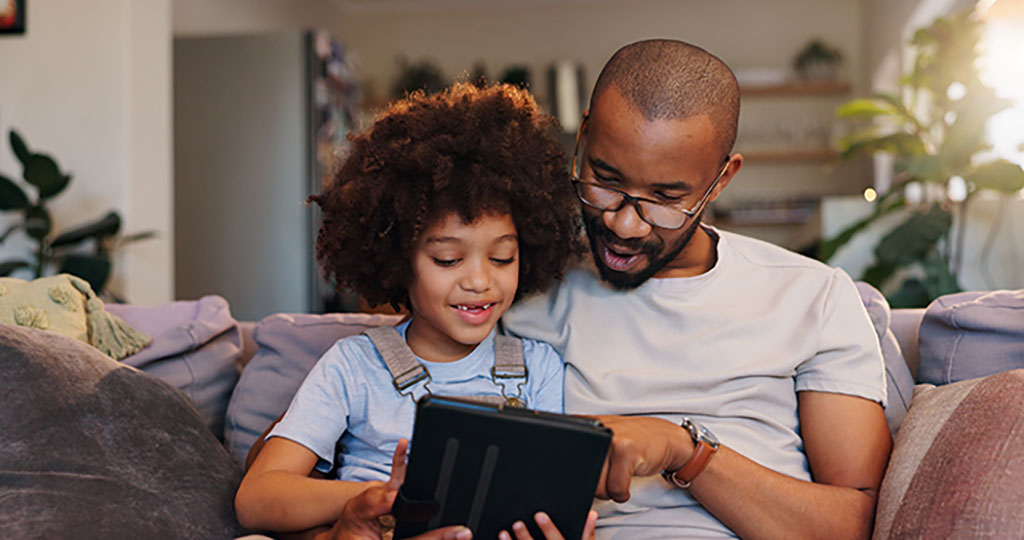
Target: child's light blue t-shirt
[348, 395]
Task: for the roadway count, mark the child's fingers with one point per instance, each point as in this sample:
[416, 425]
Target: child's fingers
[591, 526]
[547, 527]
[398, 464]
[372, 503]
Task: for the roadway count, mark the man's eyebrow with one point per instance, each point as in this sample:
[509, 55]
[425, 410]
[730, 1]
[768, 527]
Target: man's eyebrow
[680, 185]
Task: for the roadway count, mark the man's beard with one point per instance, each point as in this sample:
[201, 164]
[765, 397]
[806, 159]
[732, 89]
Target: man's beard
[653, 249]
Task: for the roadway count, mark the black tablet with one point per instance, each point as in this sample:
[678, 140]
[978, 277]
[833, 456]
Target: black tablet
[487, 466]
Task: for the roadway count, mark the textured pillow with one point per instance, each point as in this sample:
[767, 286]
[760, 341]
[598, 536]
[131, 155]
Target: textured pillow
[972, 334]
[957, 467]
[90, 448]
[66, 305]
[289, 346]
[899, 381]
[195, 347]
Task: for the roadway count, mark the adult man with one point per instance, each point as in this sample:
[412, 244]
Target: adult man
[770, 351]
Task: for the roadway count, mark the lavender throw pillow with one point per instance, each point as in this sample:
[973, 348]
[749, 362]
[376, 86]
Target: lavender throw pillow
[195, 347]
[289, 346]
[972, 334]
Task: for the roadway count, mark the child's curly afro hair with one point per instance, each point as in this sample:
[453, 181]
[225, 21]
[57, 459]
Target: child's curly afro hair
[467, 150]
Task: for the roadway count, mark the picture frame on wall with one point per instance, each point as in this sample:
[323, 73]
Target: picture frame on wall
[12, 16]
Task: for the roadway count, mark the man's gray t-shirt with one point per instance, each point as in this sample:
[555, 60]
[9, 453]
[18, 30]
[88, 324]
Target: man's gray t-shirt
[730, 348]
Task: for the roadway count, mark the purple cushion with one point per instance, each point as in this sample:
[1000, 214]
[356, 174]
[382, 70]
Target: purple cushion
[899, 381]
[972, 334]
[195, 347]
[289, 346]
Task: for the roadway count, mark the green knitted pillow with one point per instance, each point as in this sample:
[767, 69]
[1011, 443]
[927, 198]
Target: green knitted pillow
[67, 305]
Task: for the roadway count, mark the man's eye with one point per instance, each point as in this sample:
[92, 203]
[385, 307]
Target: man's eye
[445, 262]
[604, 179]
[503, 262]
[668, 198]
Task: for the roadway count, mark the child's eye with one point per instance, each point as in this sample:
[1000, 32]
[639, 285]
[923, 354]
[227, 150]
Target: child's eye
[503, 262]
[445, 262]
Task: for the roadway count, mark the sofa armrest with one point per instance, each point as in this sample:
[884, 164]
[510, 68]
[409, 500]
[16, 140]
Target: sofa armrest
[905, 324]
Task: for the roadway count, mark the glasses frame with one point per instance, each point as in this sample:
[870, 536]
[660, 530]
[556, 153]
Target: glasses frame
[635, 201]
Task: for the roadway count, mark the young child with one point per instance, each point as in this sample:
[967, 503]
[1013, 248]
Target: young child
[452, 205]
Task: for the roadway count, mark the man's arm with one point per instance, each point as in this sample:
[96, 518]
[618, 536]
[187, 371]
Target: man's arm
[847, 443]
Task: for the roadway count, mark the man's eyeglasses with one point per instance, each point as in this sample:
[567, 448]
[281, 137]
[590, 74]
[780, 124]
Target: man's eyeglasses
[656, 214]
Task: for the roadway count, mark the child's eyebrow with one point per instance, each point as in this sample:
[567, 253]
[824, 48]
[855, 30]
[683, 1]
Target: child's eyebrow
[443, 240]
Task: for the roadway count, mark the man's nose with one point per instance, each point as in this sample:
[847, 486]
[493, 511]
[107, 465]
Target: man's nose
[626, 222]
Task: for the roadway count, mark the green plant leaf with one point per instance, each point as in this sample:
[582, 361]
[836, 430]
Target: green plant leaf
[12, 197]
[108, 225]
[926, 168]
[19, 147]
[38, 222]
[829, 247]
[136, 237]
[938, 280]
[93, 268]
[866, 108]
[7, 267]
[911, 240]
[1000, 175]
[912, 293]
[877, 274]
[44, 173]
[900, 143]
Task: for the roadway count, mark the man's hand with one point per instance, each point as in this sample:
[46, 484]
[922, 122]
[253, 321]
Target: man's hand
[361, 517]
[641, 446]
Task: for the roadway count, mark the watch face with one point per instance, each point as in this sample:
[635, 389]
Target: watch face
[700, 433]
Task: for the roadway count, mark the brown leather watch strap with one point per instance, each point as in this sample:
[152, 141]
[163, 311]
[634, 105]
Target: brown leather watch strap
[699, 459]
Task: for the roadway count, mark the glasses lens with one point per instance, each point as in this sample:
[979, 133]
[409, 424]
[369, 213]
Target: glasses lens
[662, 216]
[598, 197]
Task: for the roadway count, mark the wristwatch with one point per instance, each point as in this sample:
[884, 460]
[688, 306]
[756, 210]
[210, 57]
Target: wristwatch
[705, 444]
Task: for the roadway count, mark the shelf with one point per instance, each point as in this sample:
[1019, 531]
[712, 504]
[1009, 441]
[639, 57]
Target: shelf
[790, 156]
[797, 88]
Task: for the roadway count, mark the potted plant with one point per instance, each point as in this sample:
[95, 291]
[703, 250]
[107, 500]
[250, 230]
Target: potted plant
[63, 252]
[817, 61]
[936, 131]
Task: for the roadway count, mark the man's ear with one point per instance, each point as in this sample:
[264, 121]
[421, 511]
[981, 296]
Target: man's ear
[734, 165]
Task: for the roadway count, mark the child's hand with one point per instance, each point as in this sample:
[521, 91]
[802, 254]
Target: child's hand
[361, 517]
[548, 528]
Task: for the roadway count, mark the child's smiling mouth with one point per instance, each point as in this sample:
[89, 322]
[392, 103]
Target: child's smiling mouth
[475, 313]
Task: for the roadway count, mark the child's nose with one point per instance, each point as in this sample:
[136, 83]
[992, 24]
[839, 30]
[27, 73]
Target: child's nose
[477, 278]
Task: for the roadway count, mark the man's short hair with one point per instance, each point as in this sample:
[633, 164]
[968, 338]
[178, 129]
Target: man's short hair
[669, 79]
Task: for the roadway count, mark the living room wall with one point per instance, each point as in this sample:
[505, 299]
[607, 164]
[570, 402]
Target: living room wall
[89, 83]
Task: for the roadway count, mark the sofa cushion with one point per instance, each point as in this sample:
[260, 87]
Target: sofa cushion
[196, 345]
[289, 346]
[91, 448]
[971, 334]
[899, 381]
[958, 463]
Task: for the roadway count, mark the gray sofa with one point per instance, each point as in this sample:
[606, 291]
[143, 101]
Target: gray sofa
[955, 471]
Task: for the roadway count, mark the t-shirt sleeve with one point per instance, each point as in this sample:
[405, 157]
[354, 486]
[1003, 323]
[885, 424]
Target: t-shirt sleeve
[547, 377]
[849, 359]
[318, 414]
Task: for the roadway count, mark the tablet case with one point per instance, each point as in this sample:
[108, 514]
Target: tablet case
[486, 466]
